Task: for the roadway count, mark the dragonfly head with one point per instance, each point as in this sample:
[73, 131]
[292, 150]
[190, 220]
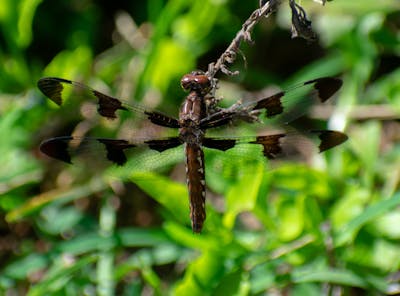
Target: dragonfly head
[196, 81]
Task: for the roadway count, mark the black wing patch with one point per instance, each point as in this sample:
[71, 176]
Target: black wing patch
[326, 87]
[67, 147]
[115, 150]
[272, 145]
[57, 148]
[329, 139]
[272, 104]
[163, 144]
[220, 144]
[319, 91]
[284, 144]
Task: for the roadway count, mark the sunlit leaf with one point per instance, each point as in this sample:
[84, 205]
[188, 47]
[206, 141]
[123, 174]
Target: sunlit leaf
[349, 230]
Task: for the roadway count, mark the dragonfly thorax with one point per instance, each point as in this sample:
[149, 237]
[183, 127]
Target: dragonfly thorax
[191, 135]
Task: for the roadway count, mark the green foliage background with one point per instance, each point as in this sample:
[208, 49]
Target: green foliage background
[305, 230]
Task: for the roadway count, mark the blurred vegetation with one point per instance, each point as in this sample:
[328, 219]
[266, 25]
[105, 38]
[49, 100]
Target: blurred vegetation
[319, 229]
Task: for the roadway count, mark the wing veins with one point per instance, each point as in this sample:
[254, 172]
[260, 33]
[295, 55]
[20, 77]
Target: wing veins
[282, 144]
[53, 88]
[282, 105]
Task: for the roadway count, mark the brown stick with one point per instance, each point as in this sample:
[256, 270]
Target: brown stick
[229, 55]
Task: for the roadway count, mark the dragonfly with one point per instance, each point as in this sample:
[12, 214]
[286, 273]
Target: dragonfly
[198, 113]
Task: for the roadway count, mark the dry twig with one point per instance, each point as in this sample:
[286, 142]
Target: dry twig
[301, 27]
[229, 56]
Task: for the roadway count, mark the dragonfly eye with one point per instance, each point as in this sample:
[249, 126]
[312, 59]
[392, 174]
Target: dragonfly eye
[196, 81]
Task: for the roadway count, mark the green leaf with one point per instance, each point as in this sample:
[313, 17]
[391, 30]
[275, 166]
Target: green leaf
[61, 196]
[59, 275]
[340, 277]
[171, 195]
[19, 269]
[230, 284]
[347, 232]
[202, 275]
[136, 237]
[70, 64]
[387, 225]
[243, 195]
[369, 134]
[291, 213]
[27, 9]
